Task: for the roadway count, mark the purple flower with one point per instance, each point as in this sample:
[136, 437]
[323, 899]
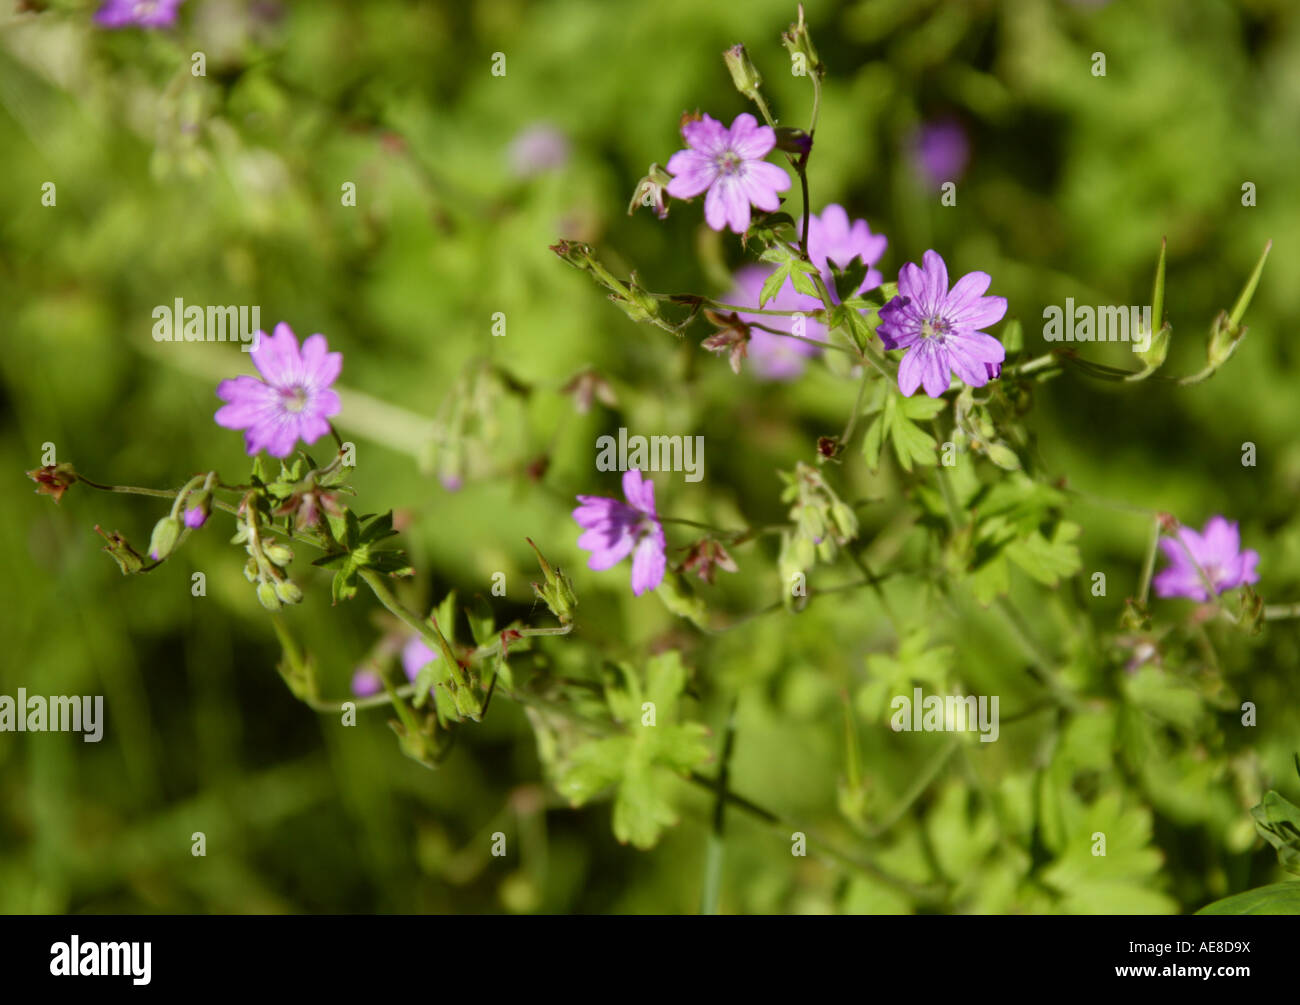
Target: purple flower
[1217, 550]
[537, 149]
[831, 236]
[365, 683]
[941, 151]
[195, 517]
[730, 165]
[145, 13]
[615, 530]
[292, 402]
[416, 656]
[776, 357]
[939, 328]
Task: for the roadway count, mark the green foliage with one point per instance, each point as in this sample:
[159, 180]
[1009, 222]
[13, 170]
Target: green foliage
[636, 762]
[1122, 712]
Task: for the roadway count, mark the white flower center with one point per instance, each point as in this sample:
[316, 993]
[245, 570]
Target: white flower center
[729, 162]
[145, 7]
[295, 399]
[935, 328]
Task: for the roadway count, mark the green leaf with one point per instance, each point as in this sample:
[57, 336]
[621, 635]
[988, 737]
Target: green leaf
[873, 441]
[378, 529]
[640, 810]
[1163, 696]
[390, 562]
[445, 617]
[482, 622]
[789, 266]
[1277, 898]
[912, 445]
[922, 408]
[351, 530]
[682, 748]
[681, 599]
[637, 763]
[1047, 560]
[1278, 823]
[344, 586]
[801, 274]
[990, 579]
[1003, 456]
[848, 278]
[592, 768]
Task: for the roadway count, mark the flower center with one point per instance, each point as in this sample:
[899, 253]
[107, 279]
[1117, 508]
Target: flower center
[935, 328]
[729, 162]
[295, 399]
[145, 8]
[1214, 573]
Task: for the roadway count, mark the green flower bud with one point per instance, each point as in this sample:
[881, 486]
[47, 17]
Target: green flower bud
[743, 72]
[287, 591]
[1154, 356]
[576, 253]
[798, 41]
[165, 534]
[278, 553]
[1225, 336]
[557, 592]
[266, 595]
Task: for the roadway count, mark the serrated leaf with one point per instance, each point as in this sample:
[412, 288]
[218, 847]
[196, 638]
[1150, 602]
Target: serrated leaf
[912, 444]
[640, 810]
[848, 277]
[858, 324]
[682, 748]
[1048, 560]
[592, 768]
[344, 585]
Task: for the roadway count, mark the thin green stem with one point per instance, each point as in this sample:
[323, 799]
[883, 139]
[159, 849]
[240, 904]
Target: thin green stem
[1033, 365]
[711, 894]
[857, 408]
[918, 788]
[785, 827]
[721, 305]
[1149, 563]
[945, 488]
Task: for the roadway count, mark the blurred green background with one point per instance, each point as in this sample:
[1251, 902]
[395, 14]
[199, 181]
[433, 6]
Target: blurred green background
[225, 189]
